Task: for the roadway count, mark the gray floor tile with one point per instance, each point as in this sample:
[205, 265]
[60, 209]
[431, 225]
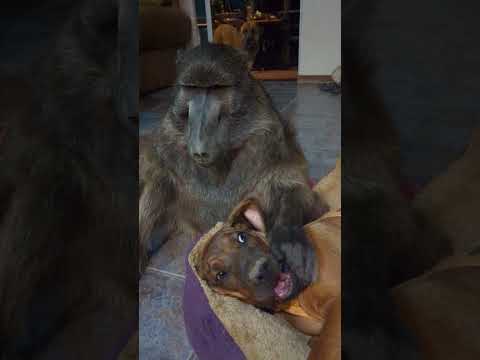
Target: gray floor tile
[312, 101]
[317, 132]
[162, 332]
[172, 255]
[321, 162]
[193, 357]
[281, 92]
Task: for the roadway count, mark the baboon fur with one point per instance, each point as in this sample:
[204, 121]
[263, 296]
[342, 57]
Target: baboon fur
[255, 153]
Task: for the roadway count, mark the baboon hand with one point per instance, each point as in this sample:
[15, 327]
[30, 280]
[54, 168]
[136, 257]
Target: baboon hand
[291, 247]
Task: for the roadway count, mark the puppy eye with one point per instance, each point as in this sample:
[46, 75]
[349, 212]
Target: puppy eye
[242, 238]
[220, 275]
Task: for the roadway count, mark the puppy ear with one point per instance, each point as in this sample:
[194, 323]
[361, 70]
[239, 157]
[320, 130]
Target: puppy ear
[255, 217]
[248, 213]
[202, 266]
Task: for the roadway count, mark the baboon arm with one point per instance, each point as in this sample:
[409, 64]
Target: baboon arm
[156, 199]
[150, 210]
[293, 206]
[155, 188]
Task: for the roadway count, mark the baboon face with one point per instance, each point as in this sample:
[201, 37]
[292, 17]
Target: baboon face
[210, 104]
[204, 116]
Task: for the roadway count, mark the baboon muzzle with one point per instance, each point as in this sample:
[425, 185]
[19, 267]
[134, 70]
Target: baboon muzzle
[203, 114]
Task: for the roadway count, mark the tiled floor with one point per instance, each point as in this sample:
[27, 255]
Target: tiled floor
[317, 118]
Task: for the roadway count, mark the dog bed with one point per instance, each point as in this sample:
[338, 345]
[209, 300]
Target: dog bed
[231, 329]
[220, 327]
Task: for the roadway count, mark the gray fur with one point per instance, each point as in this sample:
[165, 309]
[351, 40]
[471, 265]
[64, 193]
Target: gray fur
[255, 151]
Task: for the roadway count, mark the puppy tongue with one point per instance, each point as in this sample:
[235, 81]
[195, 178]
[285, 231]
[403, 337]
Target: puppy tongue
[282, 290]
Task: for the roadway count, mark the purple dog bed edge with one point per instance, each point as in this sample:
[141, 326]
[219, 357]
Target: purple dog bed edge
[206, 334]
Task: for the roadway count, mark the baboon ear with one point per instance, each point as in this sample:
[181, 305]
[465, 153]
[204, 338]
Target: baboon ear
[248, 213]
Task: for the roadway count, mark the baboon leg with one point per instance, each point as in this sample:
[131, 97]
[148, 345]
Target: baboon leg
[155, 201]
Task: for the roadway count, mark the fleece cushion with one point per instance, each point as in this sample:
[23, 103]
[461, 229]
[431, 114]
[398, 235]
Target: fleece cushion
[218, 328]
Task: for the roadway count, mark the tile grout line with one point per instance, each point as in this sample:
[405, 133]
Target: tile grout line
[288, 104]
[167, 273]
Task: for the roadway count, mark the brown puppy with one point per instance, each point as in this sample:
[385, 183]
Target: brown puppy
[238, 262]
[247, 39]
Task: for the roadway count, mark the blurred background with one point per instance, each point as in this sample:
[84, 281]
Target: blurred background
[293, 39]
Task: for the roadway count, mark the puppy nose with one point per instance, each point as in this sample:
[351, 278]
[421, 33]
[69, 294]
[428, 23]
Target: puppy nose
[262, 272]
[258, 272]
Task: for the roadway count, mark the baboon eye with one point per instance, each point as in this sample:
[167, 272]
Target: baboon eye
[183, 113]
[220, 275]
[238, 114]
[242, 238]
[180, 118]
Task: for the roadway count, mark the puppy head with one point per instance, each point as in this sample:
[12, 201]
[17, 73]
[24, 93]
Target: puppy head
[251, 35]
[237, 261]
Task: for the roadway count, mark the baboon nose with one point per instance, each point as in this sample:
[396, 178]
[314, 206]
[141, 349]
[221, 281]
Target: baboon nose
[202, 156]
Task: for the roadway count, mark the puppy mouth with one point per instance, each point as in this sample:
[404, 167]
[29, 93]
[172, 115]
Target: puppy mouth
[284, 286]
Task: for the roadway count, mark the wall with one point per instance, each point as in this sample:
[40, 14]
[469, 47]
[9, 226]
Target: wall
[320, 37]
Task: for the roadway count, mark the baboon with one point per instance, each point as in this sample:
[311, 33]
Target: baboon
[68, 186]
[220, 141]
